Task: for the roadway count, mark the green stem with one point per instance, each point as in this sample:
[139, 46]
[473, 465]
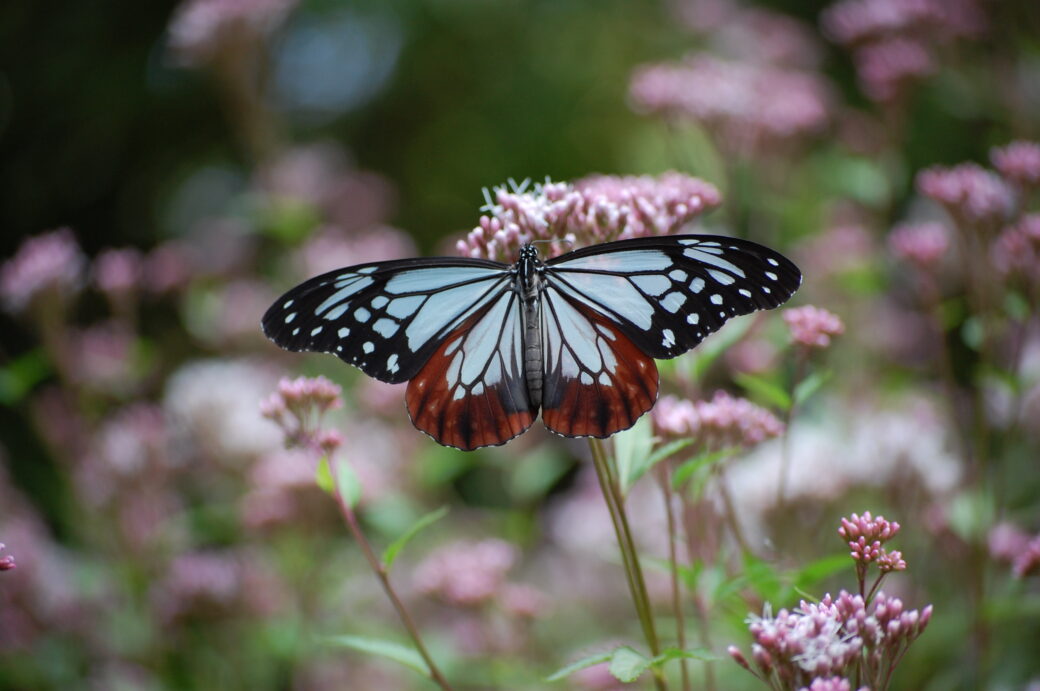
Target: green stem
[384, 580]
[664, 480]
[633, 571]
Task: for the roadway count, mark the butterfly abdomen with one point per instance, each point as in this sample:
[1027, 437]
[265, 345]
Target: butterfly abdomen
[529, 285]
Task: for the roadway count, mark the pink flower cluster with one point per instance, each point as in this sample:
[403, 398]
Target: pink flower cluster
[830, 684]
[118, 271]
[466, 573]
[865, 536]
[6, 561]
[297, 408]
[49, 262]
[818, 645]
[922, 244]
[722, 421]
[1016, 251]
[1009, 543]
[592, 210]
[748, 106]
[1018, 162]
[813, 327]
[969, 192]
[200, 28]
[893, 41]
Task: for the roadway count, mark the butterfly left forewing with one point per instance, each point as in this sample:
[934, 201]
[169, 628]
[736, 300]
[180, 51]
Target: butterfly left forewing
[471, 392]
[386, 318]
[596, 381]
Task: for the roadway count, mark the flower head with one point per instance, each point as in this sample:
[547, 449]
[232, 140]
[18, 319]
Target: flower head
[722, 421]
[969, 192]
[1016, 251]
[6, 561]
[1018, 162]
[887, 68]
[748, 106]
[200, 28]
[297, 407]
[118, 271]
[466, 573]
[49, 262]
[1027, 562]
[592, 210]
[812, 326]
[923, 244]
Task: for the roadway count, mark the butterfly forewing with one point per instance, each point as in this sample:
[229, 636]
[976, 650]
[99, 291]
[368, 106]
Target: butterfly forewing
[386, 318]
[668, 293]
[596, 381]
[472, 392]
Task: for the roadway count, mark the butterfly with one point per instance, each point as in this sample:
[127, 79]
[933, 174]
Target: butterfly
[485, 345]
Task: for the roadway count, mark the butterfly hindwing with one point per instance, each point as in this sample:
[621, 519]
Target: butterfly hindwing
[472, 392]
[668, 293]
[595, 380]
[386, 318]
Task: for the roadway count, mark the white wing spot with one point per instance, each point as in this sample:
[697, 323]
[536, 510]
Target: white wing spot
[452, 346]
[765, 289]
[379, 300]
[296, 331]
[289, 317]
[368, 347]
[366, 270]
[722, 277]
[391, 364]
[772, 261]
[677, 275]
[386, 327]
[316, 330]
[697, 285]
[339, 349]
[343, 332]
[604, 379]
[669, 338]
[694, 318]
[673, 301]
[722, 314]
[585, 378]
[771, 276]
[478, 389]
[716, 299]
[745, 292]
[652, 284]
[337, 312]
[404, 307]
[288, 304]
[362, 315]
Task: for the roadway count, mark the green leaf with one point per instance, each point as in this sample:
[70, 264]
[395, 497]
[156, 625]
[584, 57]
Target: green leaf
[810, 385]
[632, 451]
[688, 468]
[588, 661]
[323, 476]
[816, 571]
[764, 389]
[395, 547]
[21, 374]
[402, 654]
[663, 452]
[626, 664]
[347, 484]
[762, 577]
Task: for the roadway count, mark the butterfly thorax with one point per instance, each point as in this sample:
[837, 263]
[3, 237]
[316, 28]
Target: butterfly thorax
[529, 270]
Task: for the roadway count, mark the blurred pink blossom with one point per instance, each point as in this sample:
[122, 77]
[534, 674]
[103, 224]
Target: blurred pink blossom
[1017, 249]
[118, 271]
[760, 35]
[523, 601]
[166, 268]
[747, 106]
[812, 326]
[466, 573]
[1007, 541]
[923, 244]
[199, 28]
[7, 560]
[722, 421]
[1027, 562]
[887, 67]
[332, 248]
[212, 584]
[969, 192]
[853, 21]
[52, 262]
[594, 209]
[830, 684]
[1018, 162]
[104, 357]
